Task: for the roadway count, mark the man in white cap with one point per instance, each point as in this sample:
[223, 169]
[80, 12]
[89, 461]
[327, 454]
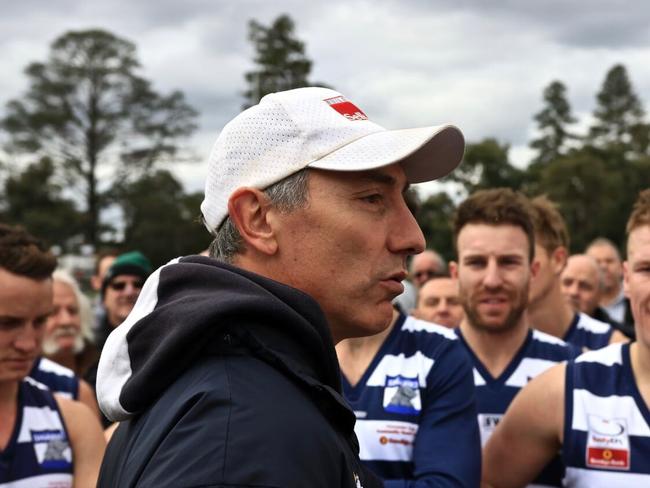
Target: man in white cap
[224, 373]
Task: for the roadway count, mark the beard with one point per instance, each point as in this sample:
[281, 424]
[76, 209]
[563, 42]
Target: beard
[518, 305]
[51, 344]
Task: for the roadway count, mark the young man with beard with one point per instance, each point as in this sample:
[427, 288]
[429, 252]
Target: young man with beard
[595, 409]
[494, 239]
[225, 372]
[64, 345]
[45, 440]
[549, 311]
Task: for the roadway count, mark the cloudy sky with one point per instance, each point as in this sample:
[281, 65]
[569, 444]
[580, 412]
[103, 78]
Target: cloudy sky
[479, 64]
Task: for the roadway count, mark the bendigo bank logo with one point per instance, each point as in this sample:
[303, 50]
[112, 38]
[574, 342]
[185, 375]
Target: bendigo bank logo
[608, 444]
[346, 108]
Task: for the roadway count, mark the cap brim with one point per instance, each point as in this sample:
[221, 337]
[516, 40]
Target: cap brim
[426, 153]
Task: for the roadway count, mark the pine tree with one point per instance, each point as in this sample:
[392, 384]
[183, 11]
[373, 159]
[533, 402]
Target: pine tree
[552, 122]
[280, 59]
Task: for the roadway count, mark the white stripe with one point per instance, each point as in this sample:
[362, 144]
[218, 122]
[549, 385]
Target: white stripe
[411, 324]
[592, 325]
[417, 365]
[59, 480]
[385, 440]
[527, 369]
[538, 335]
[608, 356]
[478, 379]
[52, 367]
[35, 383]
[38, 418]
[586, 403]
[115, 364]
[591, 478]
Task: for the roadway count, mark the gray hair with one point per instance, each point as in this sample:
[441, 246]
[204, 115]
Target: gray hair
[286, 195]
[85, 309]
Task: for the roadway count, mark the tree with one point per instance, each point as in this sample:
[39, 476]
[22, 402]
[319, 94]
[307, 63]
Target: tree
[486, 165]
[619, 126]
[434, 216]
[92, 114]
[280, 59]
[160, 219]
[552, 123]
[34, 200]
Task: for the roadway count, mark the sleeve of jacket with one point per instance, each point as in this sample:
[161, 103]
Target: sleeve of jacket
[447, 450]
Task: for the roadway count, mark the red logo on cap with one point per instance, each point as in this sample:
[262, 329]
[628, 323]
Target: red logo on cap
[346, 108]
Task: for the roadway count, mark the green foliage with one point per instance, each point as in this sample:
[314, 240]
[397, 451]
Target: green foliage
[619, 123]
[552, 123]
[280, 59]
[486, 165]
[34, 200]
[87, 109]
[434, 216]
[160, 219]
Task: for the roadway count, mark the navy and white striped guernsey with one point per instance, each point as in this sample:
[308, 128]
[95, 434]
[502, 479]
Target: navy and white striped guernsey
[606, 422]
[586, 332]
[58, 378]
[38, 454]
[539, 352]
[415, 408]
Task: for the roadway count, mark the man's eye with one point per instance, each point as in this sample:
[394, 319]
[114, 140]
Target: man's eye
[374, 198]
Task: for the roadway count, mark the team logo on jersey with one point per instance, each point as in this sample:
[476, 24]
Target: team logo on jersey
[402, 395]
[346, 108]
[608, 444]
[52, 449]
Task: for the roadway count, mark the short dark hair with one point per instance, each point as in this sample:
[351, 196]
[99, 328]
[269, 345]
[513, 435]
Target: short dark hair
[550, 228]
[496, 206]
[23, 254]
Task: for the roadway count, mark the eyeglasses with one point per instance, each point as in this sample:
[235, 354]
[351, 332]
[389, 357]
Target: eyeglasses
[121, 285]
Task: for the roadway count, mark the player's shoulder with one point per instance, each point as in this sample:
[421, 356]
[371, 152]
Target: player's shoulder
[439, 332]
[607, 356]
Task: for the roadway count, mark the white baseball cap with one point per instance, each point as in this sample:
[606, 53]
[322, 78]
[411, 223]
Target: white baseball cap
[317, 128]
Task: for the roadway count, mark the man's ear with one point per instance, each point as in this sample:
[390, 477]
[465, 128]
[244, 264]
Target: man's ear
[559, 257]
[453, 269]
[248, 209]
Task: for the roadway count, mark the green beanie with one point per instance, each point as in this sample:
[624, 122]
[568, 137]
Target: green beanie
[130, 263]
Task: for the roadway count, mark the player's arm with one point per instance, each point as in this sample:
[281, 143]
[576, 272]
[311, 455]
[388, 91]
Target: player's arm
[447, 448]
[618, 336]
[529, 434]
[86, 439]
[87, 396]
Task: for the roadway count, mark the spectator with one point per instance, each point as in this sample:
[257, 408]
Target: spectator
[612, 298]
[595, 409]
[581, 283]
[438, 302]
[44, 440]
[64, 345]
[425, 266]
[225, 373]
[549, 311]
[494, 240]
[103, 261]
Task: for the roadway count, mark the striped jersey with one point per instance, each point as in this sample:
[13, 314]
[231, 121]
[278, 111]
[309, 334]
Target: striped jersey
[415, 408]
[38, 454]
[538, 353]
[606, 422]
[58, 378]
[587, 332]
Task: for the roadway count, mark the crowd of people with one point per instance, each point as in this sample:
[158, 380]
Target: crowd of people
[301, 352]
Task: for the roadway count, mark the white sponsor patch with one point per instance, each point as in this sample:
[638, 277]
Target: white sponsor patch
[385, 440]
[608, 445]
[487, 422]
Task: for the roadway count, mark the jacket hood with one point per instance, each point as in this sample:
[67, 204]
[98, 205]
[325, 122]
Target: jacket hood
[184, 306]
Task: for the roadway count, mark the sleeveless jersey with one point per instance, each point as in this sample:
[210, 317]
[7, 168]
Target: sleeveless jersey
[606, 422]
[38, 454]
[587, 332]
[539, 352]
[59, 379]
[415, 408]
